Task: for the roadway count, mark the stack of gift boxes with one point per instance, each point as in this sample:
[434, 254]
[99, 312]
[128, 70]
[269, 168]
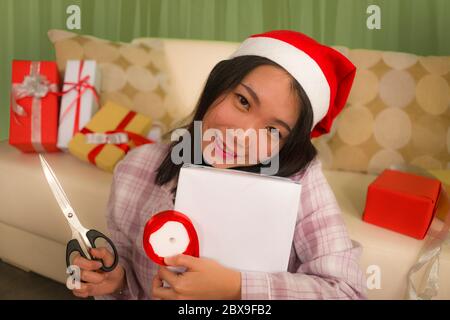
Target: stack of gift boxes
[49, 116]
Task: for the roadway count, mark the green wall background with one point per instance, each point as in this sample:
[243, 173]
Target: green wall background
[416, 26]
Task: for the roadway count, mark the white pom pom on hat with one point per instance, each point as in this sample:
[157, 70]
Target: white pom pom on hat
[324, 73]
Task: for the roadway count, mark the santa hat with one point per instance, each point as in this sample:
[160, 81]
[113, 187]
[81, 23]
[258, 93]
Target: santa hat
[324, 73]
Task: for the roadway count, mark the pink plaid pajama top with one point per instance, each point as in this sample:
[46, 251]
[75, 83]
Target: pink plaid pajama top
[323, 262]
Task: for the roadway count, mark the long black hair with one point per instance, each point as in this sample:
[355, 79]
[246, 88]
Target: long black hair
[298, 150]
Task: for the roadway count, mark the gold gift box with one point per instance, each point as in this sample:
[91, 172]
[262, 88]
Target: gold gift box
[107, 119]
[443, 205]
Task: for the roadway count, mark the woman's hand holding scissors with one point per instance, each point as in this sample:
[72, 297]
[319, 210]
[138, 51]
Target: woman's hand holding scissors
[96, 282]
[100, 273]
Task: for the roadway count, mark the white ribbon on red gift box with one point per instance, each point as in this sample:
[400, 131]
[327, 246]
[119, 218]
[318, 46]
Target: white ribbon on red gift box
[36, 86]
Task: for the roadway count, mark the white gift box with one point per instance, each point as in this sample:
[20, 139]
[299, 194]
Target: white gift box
[244, 220]
[88, 105]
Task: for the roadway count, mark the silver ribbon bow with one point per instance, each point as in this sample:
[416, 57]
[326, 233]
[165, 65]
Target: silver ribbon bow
[106, 138]
[34, 85]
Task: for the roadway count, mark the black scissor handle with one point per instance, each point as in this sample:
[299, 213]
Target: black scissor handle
[92, 235]
[73, 246]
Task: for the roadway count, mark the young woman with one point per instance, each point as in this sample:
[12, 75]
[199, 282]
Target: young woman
[281, 82]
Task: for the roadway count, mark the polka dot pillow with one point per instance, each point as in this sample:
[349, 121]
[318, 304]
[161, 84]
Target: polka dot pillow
[398, 112]
[133, 75]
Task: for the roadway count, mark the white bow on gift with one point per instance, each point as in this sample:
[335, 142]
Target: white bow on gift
[33, 85]
[431, 250]
[107, 138]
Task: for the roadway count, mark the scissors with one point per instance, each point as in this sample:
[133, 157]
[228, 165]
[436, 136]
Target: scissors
[82, 239]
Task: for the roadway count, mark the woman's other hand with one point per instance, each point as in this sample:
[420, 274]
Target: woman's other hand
[203, 279]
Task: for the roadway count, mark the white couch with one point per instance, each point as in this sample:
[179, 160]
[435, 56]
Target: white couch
[33, 232]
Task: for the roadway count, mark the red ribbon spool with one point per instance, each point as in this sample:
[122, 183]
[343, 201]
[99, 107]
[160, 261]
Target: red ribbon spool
[157, 221]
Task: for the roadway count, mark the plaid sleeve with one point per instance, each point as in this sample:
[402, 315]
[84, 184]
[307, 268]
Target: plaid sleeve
[117, 202]
[326, 259]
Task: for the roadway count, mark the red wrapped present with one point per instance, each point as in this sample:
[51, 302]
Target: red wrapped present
[34, 106]
[402, 202]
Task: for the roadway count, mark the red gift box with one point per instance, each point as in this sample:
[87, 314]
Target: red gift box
[402, 202]
[34, 106]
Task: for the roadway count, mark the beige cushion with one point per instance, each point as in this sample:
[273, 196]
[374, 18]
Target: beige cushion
[398, 112]
[132, 75]
[189, 62]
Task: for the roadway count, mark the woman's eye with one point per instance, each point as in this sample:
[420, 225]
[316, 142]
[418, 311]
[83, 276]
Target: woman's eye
[242, 100]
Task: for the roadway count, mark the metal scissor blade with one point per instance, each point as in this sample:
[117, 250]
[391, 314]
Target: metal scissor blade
[56, 188]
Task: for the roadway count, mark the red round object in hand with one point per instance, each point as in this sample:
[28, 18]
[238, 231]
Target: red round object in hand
[160, 219]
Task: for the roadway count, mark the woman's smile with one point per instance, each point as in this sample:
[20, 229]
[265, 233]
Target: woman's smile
[222, 150]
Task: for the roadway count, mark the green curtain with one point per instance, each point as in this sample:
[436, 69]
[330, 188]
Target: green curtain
[416, 26]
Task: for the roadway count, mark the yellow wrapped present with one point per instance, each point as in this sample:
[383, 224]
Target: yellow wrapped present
[109, 135]
[443, 206]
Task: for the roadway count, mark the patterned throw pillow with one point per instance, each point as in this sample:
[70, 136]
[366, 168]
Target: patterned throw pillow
[133, 75]
[398, 112]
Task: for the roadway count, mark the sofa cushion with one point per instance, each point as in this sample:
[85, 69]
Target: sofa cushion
[189, 63]
[133, 75]
[398, 112]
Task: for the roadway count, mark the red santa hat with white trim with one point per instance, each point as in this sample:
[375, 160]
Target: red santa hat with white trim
[324, 73]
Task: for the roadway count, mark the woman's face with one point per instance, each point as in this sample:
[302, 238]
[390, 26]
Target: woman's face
[261, 104]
